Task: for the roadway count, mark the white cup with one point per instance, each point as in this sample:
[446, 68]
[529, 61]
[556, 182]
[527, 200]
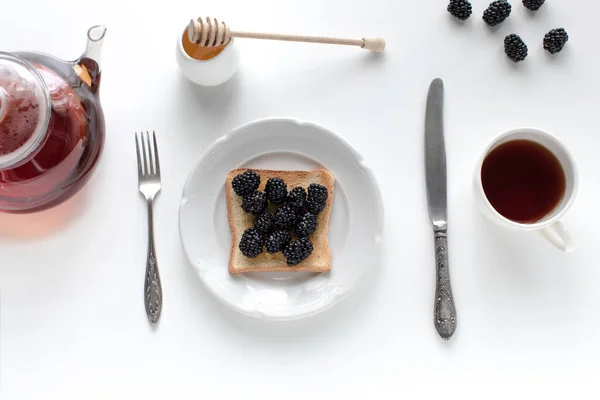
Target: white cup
[549, 226]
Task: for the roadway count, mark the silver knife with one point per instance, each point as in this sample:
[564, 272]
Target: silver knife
[435, 172]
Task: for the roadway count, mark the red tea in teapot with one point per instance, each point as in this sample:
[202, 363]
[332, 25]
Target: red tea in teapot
[64, 138]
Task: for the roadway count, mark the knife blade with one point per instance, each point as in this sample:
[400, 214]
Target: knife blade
[436, 184]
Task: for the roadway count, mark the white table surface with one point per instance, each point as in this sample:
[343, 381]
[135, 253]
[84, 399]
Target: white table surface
[72, 319]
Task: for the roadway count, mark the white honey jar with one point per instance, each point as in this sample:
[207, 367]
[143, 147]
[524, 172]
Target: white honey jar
[207, 66]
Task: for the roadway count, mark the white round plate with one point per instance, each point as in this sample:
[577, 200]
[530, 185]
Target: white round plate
[355, 225]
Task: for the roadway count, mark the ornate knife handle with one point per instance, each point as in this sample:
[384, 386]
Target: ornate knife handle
[444, 309]
[152, 285]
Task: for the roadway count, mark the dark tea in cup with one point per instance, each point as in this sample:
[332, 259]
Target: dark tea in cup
[523, 180]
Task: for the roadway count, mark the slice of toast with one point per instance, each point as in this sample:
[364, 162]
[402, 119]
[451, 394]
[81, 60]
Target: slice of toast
[239, 221]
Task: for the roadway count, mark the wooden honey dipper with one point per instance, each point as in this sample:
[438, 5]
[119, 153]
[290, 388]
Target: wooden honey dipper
[212, 33]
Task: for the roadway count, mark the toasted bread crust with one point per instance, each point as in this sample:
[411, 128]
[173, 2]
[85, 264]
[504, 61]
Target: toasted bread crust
[239, 221]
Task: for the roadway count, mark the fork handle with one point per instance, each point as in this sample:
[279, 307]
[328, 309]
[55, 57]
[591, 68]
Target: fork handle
[152, 285]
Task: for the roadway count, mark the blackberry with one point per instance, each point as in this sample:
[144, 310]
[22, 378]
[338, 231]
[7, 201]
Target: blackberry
[251, 244]
[515, 48]
[264, 223]
[297, 251]
[245, 183]
[460, 9]
[254, 203]
[317, 198]
[276, 190]
[277, 240]
[285, 216]
[497, 12]
[533, 5]
[555, 40]
[306, 225]
[297, 197]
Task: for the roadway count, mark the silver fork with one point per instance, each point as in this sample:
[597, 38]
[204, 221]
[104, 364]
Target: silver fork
[149, 183]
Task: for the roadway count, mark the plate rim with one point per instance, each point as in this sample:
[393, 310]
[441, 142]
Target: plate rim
[379, 217]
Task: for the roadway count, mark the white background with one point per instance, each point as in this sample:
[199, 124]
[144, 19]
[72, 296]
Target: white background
[72, 319]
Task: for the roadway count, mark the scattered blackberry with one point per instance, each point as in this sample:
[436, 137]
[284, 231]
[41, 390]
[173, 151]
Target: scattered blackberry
[497, 12]
[264, 223]
[515, 48]
[254, 203]
[296, 197]
[251, 244]
[297, 251]
[285, 216]
[533, 5]
[555, 40]
[245, 183]
[317, 198]
[277, 240]
[306, 224]
[460, 9]
[276, 190]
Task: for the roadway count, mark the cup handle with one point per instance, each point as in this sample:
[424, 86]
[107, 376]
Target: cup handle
[558, 236]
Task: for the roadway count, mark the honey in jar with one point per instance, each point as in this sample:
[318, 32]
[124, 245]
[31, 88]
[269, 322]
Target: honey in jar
[199, 52]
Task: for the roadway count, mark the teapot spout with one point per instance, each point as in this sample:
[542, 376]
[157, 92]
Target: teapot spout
[89, 65]
[95, 41]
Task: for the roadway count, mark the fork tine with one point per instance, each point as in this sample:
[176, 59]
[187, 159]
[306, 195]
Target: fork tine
[146, 165]
[139, 159]
[151, 156]
[156, 162]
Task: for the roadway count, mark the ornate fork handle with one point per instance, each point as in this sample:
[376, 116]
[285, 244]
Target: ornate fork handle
[444, 309]
[152, 285]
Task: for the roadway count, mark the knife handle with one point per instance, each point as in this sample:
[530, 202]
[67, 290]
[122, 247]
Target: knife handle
[444, 310]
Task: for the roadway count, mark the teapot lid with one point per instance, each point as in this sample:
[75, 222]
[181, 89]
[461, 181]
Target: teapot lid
[24, 109]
